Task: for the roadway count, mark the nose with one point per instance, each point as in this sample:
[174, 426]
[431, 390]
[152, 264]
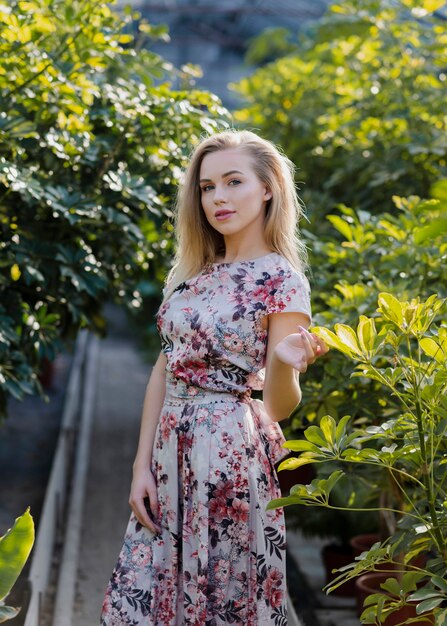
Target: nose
[219, 195]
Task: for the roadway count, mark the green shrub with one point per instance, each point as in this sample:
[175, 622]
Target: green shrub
[401, 251]
[92, 141]
[358, 104]
[404, 349]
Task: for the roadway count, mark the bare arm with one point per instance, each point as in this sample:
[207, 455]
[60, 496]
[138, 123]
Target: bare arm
[143, 483]
[289, 352]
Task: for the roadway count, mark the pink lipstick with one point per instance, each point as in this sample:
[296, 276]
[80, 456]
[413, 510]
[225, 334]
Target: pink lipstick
[223, 215]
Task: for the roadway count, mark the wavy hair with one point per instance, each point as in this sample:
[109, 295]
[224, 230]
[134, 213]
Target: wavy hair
[199, 244]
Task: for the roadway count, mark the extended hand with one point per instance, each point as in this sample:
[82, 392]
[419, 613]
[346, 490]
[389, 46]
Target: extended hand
[300, 349]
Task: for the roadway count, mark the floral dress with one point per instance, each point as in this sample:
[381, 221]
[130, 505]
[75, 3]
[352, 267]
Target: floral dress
[220, 558]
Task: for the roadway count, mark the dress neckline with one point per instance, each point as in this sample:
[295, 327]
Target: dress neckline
[263, 256]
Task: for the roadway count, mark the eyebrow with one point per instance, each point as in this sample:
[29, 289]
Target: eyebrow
[206, 180]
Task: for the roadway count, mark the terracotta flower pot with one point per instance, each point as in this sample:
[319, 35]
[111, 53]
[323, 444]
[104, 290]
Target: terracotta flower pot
[362, 543]
[335, 556]
[46, 374]
[301, 476]
[370, 583]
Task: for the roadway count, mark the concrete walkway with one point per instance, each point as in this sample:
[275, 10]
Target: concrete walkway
[121, 380]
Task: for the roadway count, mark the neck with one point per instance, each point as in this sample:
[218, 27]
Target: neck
[243, 250]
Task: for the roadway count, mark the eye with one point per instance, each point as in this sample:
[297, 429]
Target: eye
[235, 180]
[206, 187]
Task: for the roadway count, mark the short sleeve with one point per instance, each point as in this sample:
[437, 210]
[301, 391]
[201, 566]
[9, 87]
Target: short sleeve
[291, 293]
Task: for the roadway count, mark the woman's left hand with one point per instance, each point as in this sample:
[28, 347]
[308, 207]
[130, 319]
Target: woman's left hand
[300, 349]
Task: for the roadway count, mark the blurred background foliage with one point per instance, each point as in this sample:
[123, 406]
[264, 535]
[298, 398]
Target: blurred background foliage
[92, 142]
[357, 102]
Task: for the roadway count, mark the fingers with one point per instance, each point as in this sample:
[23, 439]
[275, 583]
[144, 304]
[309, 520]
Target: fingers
[300, 349]
[144, 503]
[143, 517]
[309, 344]
[319, 348]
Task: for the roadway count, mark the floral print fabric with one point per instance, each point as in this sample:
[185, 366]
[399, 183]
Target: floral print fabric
[220, 558]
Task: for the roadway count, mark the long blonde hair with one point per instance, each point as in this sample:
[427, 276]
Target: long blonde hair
[198, 243]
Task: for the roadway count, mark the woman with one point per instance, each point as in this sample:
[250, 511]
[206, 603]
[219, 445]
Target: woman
[200, 548]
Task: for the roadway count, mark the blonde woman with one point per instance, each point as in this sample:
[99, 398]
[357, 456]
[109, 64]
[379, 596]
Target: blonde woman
[200, 548]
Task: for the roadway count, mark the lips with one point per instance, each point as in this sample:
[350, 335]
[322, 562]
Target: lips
[223, 213]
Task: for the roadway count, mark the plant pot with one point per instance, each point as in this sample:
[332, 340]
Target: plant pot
[46, 374]
[301, 476]
[335, 556]
[363, 543]
[370, 583]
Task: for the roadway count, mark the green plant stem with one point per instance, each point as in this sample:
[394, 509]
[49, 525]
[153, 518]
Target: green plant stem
[419, 420]
[427, 483]
[381, 465]
[393, 389]
[359, 510]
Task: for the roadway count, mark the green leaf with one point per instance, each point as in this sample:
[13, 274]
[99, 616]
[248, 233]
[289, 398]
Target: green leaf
[432, 349]
[409, 581]
[392, 586]
[7, 613]
[391, 308]
[342, 425]
[424, 594]
[439, 582]
[348, 338]
[15, 546]
[294, 463]
[333, 480]
[331, 339]
[432, 5]
[429, 605]
[299, 445]
[341, 225]
[315, 435]
[439, 189]
[366, 332]
[437, 228]
[278, 502]
[328, 428]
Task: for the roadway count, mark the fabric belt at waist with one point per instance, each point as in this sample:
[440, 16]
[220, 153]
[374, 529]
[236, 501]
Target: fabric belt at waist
[177, 391]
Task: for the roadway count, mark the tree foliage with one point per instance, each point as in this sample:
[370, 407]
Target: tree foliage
[92, 141]
[358, 104]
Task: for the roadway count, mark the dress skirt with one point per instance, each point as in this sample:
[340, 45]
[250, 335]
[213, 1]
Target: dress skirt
[220, 558]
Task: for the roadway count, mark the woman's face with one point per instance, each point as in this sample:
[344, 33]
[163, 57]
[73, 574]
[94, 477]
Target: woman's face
[233, 198]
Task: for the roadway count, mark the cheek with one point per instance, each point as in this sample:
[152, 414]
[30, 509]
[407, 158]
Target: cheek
[206, 209]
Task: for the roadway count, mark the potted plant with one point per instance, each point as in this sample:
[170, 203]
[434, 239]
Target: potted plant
[405, 350]
[336, 526]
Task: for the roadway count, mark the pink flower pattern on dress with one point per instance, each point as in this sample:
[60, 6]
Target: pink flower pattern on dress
[220, 558]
